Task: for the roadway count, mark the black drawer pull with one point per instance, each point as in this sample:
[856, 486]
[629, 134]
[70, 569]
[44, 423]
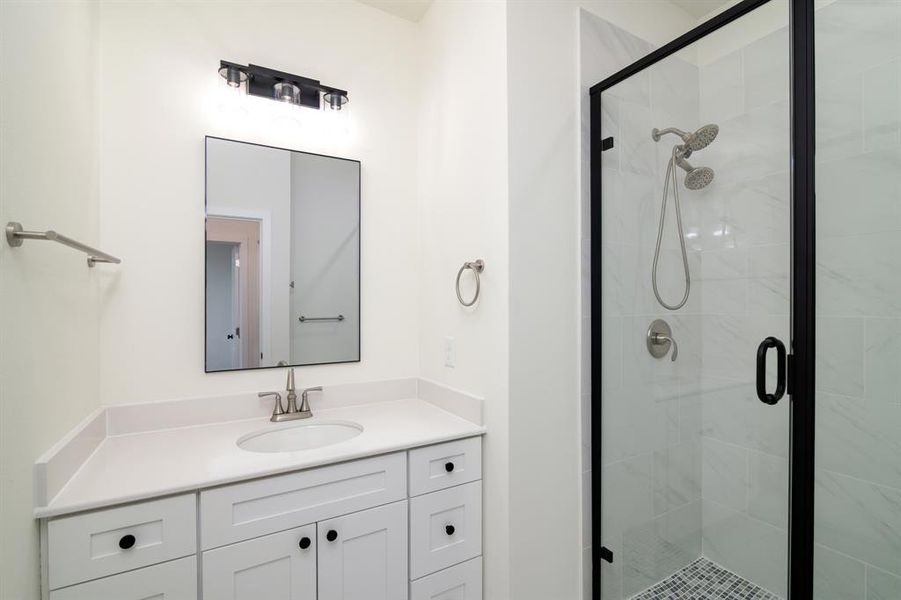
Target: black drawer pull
[304, 543]
[332, 535]
[449, 529]
[449, 467]
[127, 541]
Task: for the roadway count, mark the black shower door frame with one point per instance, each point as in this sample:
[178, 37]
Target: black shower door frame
[802, 343]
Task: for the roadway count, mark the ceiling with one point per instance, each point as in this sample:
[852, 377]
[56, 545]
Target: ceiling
[412, 10]
[699, 8]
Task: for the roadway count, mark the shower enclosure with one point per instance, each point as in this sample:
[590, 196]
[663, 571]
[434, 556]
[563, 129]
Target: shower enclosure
[746, 309]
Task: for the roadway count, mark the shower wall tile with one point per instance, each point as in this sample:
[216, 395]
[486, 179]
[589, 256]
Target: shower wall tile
[767, 69]
[853, 35]
[770, 284]
[674, 94]
[859, 438]
[612, 573]
[768, 488]
[627, 495]
[676, 476]
[733, 414]
[882, 107]
[860, 519]
[755, 211]
[859, 275]
[661, 547]
[646, 418]
[722, 89]
[882, 585]
[638, 152]
[751, 548]
[882, 360]
[839, 118]
[837, 577]
[839, 356]
[725, 474]
[757, 144]
[859, 194]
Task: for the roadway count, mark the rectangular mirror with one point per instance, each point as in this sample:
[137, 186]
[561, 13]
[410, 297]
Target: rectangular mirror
[282, 257]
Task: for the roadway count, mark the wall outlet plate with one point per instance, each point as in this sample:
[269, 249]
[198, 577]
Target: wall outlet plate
[450, 352]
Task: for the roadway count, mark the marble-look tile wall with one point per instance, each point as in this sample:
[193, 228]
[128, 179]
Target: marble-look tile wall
[740, 225]
[858, 304]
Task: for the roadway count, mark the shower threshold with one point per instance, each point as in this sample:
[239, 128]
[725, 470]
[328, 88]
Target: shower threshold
[703, 579]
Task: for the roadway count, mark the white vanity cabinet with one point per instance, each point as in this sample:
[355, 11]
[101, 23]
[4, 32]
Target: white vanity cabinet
[400, 526]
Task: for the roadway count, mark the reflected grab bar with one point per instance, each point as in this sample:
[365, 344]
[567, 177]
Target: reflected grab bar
[304, 319]
[16, 235]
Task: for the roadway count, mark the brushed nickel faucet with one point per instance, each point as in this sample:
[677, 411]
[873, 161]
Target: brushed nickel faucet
[292, 412]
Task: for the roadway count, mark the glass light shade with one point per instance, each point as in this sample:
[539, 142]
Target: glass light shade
[233, 76]
[287, 92]
[335, 100]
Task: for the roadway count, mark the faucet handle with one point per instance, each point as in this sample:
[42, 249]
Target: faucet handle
[304, 402]
[277, 410]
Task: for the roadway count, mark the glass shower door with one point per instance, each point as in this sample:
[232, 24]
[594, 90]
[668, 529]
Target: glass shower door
[694, 246]
[857, 526]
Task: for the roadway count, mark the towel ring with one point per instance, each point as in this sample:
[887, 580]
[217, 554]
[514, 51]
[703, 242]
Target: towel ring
[477, 267]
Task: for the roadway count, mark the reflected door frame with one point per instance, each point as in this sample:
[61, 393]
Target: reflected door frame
[245, 234]
[801, 361]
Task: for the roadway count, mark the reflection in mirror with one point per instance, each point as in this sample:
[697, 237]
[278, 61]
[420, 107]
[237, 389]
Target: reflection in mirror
[282, 257]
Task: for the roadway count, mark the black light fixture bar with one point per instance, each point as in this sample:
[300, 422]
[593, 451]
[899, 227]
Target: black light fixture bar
[261, 81]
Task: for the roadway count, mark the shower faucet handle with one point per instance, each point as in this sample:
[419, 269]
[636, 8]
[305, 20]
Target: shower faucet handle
[660, 338]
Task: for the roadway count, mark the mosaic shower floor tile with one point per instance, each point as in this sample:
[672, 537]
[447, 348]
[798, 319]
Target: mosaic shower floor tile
[705, 580]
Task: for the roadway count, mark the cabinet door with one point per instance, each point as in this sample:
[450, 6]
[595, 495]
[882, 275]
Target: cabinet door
[363, 556]
[281, 566]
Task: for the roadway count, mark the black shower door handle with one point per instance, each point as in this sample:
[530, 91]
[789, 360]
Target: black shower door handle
[762, 349]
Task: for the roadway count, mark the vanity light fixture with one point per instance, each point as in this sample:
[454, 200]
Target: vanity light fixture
[281, 86]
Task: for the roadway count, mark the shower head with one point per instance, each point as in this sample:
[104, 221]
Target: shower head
[696, 178]
[698, 140]
[699, 178]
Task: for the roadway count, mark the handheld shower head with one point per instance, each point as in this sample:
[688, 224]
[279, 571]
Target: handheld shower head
[698, 140]
[696, 178]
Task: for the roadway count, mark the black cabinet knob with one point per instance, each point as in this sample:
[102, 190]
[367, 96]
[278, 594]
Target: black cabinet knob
[304, 543]
[449, 467]
[127, 541]
[332, 535]
[449, 529]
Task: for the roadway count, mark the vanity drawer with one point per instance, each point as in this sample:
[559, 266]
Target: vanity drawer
[445, 528]
[176, 580]
[445, 465]
[460, 582]
[100, 543]
[245, 510]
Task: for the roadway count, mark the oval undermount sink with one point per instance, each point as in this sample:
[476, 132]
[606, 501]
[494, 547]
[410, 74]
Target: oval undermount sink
[303, 436]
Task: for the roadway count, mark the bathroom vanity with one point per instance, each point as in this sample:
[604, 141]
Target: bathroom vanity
[393, 513]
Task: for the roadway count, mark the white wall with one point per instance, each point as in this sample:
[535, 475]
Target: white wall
[49, 299]
[546, 376]
[462, 217]
[165, 96]
[265, 196]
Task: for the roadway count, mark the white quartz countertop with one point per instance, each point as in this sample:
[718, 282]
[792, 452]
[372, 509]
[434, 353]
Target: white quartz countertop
[138, 466]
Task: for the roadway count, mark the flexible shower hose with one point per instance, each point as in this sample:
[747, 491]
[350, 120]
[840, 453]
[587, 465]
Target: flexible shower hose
[671, 178]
